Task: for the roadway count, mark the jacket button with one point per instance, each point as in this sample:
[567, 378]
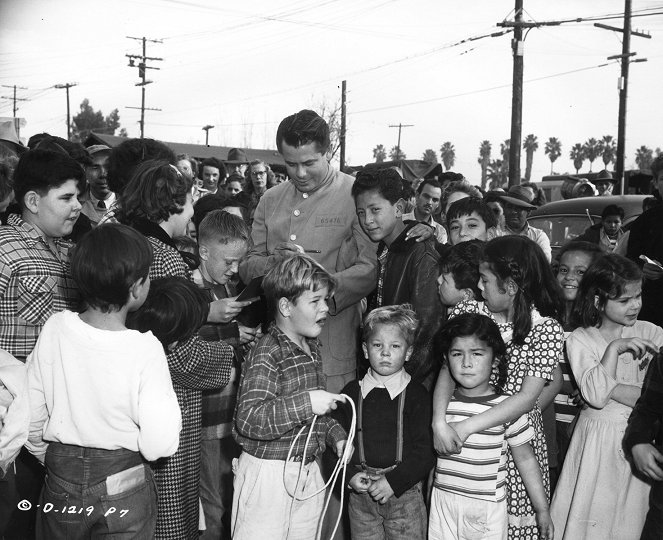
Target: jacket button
[296, 212]
[293, 237]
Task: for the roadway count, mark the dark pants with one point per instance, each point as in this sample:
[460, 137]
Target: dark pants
[25, 486]
[653, 529]
[75, 501]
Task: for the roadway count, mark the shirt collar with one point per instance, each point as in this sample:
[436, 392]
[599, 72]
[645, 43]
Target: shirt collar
[285, 341]
[32, 234]
[394, 384]
[107, 201]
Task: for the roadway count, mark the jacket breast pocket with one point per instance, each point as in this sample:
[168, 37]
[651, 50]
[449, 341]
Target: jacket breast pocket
[35, 298]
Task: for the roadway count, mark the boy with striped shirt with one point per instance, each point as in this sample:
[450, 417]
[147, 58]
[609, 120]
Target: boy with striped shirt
[469, 495]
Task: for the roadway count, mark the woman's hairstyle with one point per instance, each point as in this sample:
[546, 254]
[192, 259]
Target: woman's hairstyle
[590, 248]
[482, 328]
[155, 192]
[458, 186]
[462, 262]
[248, 184]
[521, 260]
[174, 310]
[402, 316]
[292, 277]
[126, 157]
[106, 263]
[605, 279]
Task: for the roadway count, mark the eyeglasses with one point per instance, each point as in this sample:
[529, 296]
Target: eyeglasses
[259, 173]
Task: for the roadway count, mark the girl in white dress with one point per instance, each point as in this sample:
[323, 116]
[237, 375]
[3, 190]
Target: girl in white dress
[597, 496]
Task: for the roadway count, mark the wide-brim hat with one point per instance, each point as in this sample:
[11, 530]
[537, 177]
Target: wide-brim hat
[518, 196]
[236, 156]
[8, 135]
[604, 176]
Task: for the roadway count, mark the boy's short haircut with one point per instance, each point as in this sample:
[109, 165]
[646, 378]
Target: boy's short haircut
[107, 261]
[221, 227]
[402, 316]
[428, 182]
[42, 170]
[484, 329]
[387, 182]
[174, 310]
[292, 277]
[302, 128]
[462, 262]
[6, 180]
[155, 192]
[467, 205]
[216, 163]
[613, 210]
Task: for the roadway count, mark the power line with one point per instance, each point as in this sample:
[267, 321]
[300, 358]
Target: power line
[67, 86]
[142, 70]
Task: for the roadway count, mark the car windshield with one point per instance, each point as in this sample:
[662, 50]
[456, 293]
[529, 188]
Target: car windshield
[561, 229]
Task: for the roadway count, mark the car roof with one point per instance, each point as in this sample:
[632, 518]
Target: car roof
[632, 205]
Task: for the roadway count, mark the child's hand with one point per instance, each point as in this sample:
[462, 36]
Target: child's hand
[445, 439]
[459, 428]
[646, 459]
[638, 346]
[225, 310]
[380, 490]
[247, 334]
[420, 232]
[360, 482]
[340, 449]
[323, 402]
[546, 528]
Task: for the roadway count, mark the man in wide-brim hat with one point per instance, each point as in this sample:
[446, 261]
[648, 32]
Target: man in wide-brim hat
[517, 204]
[604, 183]
[237, 161]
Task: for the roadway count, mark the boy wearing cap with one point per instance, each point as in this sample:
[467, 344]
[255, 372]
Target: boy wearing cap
[98, 197]
[517, 206]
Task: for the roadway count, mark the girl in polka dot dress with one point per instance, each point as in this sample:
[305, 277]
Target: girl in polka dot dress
[523, 297]
[597, 496]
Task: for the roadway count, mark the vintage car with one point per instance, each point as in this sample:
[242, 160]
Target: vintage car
[567, 219]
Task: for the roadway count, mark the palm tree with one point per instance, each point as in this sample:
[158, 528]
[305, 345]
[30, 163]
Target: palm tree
[496, 174]
[592, 151]
[553, 150]
[448, 155]
[396, 154]
[484, 160]
[643, 157]
[379, 153]
[531, 145]
[608, 147]
[578, 156]
[430, 156]
[504, 152]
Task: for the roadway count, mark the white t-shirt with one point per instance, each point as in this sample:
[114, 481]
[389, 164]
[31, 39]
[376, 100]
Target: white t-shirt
[101, 389]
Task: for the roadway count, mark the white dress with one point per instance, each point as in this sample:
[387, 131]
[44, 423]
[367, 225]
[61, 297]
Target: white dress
[597, 496]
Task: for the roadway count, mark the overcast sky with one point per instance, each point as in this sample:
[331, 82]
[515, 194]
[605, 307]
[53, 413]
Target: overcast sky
[243, 66]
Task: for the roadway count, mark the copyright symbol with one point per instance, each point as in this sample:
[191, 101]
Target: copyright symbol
[24, 505]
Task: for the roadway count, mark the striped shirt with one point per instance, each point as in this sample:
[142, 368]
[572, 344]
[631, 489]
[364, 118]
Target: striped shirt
[479, 471]
[565, 410]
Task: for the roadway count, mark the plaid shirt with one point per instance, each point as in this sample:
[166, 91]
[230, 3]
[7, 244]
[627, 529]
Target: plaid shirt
[35, 282]
[274, 403]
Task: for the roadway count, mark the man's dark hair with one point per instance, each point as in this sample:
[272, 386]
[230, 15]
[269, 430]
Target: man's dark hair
[613, 210]
[107, 261]
[408, 192]
[174, 310]
[387, 182]
[214, 162]
[429, 182]
[42, 170]
[302, 128]
[125, 158]
[212, 202]
[6, 180]
[467, 205]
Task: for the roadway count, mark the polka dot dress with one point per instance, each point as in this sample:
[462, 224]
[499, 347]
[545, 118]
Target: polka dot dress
[537, 357]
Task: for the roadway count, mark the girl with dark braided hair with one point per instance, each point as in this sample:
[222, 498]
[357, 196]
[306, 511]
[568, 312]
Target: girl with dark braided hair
[523, 297]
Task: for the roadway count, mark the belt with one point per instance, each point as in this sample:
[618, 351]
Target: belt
[306, 459]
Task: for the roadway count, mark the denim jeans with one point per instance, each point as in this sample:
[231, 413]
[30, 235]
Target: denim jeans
[75, 502]
[402, 518]
[216, 485]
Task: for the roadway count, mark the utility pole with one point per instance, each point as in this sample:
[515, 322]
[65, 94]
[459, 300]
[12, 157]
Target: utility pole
[625, 59]
[67, 86]
[142, 67]
[517, 45]
[400, 127]
[206, 130]
[343, 112]
[15, 99]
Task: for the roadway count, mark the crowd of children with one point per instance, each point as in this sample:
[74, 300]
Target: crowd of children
[499, 396]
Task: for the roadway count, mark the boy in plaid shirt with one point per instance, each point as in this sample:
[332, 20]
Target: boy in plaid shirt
[281, 390]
